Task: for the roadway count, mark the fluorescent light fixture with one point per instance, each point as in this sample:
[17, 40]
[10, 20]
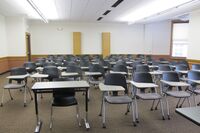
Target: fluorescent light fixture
[37, 10]
[152, 8]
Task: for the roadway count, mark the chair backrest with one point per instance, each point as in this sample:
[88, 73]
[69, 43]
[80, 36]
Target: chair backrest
[195, 66]
[181, 67]
[49, 64]
[164, 68]
[121, 62]
[135, 63]
[120, 68]
[142, 68]
[63, 92]
[52, 72]
[84, 63]
[142, 77]
[96, 68]
[184, 62]
[194, 75]
[18, 71]
[105, 63]
[30, 65]
[116, 79]
[74, 68]
[40, 61]
[170, 76]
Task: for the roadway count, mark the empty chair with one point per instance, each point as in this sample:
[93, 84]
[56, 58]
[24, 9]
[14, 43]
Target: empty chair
[40, 62]
[135, 63]
[120, 68]
[52, 72]
[194, 75]
[181, 67]
[105, 63]
[96, 79]
[184, 62]
[18, 81]
[75, 68]
[168, 90]
[164, 68]
[195, 66]
[58, 62]
[49, 64]
[30, 67]
[121, 62]
[146, 93]
[64, 98]
[142, 68]
[117, 80]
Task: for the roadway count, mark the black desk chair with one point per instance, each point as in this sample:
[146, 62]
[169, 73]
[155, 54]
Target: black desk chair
[40, 62]
[96, 79]
[120, 68]
[30, 67]
[52, 72]
[195, 66]
[164, 68]
[64, 98]
[17, 83]
[75, 68]
[182, 67]
[142, 68]
[145, 93]
[194, 75]
[168, 91]
[115, 98]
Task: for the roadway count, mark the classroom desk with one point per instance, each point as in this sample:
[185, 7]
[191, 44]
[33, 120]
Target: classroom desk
[175, 84]
[190, 113]
[124, 73]
[143, 85]
[92, 73]
[38, 76]
[47, 87]
[68, 74]
[181, 71]
[18, 76]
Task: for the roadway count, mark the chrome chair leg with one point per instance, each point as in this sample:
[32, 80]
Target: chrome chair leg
[78, 115]
[128, 109]
[136, 110]
[24, 96]
[193, 95]
[156, 107]
[152, 105]
[30, 93]
[188, 99]
[2, 98]
[133, 114]
[162, 111]
[10, 94]
[167, 105]
[104, 114]
[51, 118]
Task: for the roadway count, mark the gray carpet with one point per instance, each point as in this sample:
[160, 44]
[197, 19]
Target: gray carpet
[14, 118]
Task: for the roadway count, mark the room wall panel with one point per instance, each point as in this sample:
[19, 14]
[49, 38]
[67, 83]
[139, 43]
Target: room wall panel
[76, 43]
[105, 44]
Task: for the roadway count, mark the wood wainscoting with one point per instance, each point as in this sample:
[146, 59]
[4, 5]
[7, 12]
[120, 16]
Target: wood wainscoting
[6, 63]
[4, 66]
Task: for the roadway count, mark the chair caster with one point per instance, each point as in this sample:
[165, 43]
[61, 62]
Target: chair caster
[104, 125]
[12, 98]
[151, 109]
[31, 98]
[156, 108]
[168, 117]
[137, 120]
[100, 114]
[1, 105]
[134, 124]
[24, 104]
[163, 118]
[180, 106]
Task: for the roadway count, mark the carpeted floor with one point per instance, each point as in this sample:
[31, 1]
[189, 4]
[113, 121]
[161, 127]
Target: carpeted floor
[14, 118]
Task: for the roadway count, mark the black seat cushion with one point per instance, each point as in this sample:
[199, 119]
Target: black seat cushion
[64, 101]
